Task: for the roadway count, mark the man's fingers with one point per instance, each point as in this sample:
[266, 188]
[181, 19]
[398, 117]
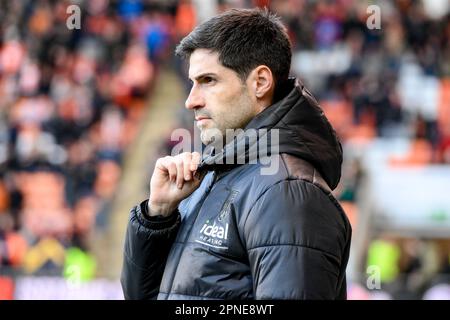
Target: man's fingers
[181, 167]
[195, 160]
[172, 168]
[187, 158]
[166, 164]
[180, 172]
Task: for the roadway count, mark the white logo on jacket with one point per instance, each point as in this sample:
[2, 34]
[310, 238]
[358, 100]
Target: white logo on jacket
[214, 235]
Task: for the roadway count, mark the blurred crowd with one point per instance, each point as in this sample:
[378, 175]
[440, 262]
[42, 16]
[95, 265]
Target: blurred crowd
[387, 79]
[71, 100]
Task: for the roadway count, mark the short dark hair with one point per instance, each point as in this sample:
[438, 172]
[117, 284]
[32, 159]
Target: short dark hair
[244, 39]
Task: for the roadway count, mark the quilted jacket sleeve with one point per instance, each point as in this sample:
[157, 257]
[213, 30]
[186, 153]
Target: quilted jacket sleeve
[298, 240]
[147, 244]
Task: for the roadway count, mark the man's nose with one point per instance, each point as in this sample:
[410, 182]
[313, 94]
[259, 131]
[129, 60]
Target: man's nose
[195, 99]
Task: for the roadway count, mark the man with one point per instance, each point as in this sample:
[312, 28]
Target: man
[212, 229]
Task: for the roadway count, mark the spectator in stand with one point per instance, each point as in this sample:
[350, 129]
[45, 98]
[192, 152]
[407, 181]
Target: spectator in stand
[69, 107]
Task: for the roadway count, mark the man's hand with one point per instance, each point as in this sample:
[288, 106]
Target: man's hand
[172, 181]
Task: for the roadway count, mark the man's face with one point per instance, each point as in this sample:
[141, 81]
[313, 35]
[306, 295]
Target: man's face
[219, 99]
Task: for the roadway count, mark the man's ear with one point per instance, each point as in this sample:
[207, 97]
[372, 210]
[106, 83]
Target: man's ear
[263, 84]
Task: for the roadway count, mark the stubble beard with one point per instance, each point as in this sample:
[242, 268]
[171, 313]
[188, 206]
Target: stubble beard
[241, 116]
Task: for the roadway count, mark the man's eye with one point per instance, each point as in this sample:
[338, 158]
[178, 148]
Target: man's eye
[208, 79]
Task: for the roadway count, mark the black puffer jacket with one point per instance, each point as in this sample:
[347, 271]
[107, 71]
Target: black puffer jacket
[244, 235]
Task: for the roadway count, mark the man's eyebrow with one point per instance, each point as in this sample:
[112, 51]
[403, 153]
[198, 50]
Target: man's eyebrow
[203, 75]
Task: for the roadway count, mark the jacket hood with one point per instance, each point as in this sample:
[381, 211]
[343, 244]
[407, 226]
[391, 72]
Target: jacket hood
[303, 131]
